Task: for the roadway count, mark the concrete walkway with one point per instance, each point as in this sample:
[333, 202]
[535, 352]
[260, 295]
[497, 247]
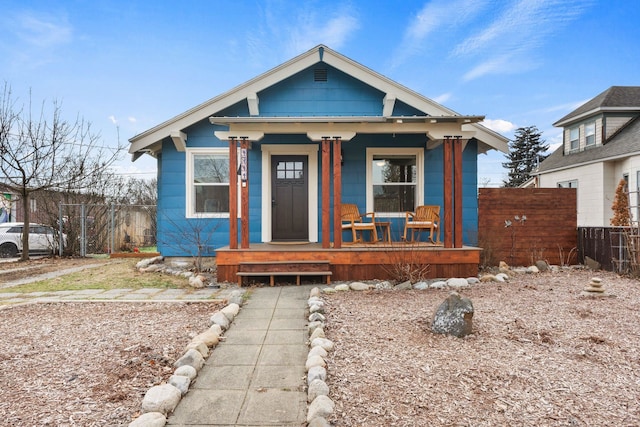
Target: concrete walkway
[256, 376]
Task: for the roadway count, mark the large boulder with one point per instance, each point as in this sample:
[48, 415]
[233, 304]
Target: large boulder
[454, 316]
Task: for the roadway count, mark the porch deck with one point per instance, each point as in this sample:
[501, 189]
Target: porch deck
[357, 261]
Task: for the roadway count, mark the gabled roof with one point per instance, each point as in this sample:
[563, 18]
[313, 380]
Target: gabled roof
[150, 140]
[614, 99]
[624, 144]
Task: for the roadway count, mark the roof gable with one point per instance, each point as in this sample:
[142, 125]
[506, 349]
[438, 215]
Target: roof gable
[333, 93]
[615, 99]
[622, 144]
[248, 93]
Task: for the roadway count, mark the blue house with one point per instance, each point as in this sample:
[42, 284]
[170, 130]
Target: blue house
[260, 173]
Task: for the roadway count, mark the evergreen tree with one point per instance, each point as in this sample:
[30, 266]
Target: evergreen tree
[525, 153]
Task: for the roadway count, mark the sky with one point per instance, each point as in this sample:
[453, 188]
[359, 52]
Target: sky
[127, 66]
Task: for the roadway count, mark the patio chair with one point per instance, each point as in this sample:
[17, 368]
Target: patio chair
[426, 217]
[351, 219]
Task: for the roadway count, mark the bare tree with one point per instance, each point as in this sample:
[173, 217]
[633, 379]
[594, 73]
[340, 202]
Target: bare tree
[40, 150]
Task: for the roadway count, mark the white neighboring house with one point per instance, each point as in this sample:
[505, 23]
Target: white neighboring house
[601, 147]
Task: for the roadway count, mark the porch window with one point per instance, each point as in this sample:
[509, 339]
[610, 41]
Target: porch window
[590, 134]
[574, 137]
[393, 180]
[208, 183]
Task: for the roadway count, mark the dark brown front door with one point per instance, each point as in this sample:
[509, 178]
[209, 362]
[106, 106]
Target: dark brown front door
[290, 198]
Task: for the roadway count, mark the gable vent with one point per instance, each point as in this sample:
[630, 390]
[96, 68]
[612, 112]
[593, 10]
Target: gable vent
[320, 75]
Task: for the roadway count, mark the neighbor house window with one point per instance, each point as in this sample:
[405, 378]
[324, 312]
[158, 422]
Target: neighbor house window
[574, 138]
[590, 134]
[208, 182]
[568, 184]
[393, 180]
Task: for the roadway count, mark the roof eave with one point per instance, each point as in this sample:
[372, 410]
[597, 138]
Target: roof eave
[593, 112]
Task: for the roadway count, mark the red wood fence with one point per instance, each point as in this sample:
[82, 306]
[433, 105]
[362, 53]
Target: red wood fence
[523, 225]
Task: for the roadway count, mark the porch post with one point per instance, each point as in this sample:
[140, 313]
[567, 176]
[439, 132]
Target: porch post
[326, 170]
[337, 192]
[244, 193]
[457, 191]
[233, 194]
[448, 193]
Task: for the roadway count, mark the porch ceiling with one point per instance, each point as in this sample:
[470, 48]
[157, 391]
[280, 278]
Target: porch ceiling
[222, 120]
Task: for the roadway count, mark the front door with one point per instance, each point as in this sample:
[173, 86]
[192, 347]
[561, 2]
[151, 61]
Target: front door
[289, 198]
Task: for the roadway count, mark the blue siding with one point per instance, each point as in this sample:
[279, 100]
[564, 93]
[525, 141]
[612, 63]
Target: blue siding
[178, 235]
[470, 193]
[340, 95]
[402, 109]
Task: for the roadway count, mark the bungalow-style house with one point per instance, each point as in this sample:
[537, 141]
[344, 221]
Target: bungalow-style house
[259, 174]
[601, 146]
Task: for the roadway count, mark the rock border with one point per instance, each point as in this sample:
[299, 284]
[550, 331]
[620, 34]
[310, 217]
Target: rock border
[161, 400]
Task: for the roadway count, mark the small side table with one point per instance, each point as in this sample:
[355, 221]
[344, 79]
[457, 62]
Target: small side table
[385, 229]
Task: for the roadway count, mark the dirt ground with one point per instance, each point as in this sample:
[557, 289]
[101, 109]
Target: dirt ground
[89, 364]
[540, 355]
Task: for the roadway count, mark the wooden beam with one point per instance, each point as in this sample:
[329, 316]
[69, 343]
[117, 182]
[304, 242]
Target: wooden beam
[326, 193]
[457, 192]
[179, 139]
[337, 193]
[244, 193]
[448, 193]
[233, 194]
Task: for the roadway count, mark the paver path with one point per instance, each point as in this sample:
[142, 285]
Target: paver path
[255, 377]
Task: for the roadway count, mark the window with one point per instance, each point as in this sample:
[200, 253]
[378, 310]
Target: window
[393, 181]
[208, 182]
[574, 137]
[590, 134]
[568, 184]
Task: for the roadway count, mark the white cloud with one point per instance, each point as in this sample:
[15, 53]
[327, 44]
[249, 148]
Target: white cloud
[437, 15]
[113, 119]
[499, 125]
[507, 42]
[283, 30]
[132, 119]
[43, 31]
[442, 98]
[312, 30]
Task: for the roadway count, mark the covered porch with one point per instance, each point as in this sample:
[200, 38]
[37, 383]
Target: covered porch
[354, 262]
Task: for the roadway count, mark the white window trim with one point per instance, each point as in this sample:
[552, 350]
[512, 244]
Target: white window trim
[577, 129]
[310, 150]
[586, 136]
[374, 151]
[189, 193]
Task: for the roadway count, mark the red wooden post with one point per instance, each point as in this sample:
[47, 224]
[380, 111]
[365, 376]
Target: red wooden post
[448, 193]
[457, 192]
[233, 194]
[337, 193]
[326, 193]
[244, 194]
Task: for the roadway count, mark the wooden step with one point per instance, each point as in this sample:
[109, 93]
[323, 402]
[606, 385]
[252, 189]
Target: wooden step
[284, 268]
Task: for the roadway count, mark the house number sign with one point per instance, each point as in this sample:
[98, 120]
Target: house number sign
[243, 166]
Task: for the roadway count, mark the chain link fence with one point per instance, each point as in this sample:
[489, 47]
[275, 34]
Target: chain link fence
[93, 229]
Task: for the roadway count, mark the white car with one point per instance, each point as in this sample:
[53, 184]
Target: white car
[42, 239]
